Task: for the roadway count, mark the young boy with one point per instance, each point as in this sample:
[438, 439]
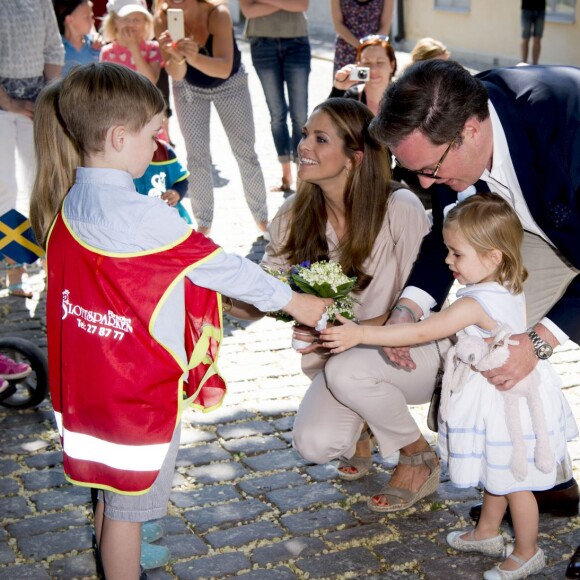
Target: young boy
[133, 303]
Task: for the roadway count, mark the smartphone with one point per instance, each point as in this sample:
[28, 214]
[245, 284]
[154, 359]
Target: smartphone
[175, 23]
[360, 74]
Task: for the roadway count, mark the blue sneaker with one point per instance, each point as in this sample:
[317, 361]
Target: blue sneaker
[151, 531]
[153, 556]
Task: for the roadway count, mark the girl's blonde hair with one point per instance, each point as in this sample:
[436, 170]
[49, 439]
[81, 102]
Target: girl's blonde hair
[72, 118]
[110, 21]
[57, 159]
[489, 223]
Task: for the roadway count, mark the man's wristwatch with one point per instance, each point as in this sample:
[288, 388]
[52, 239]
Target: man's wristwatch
[542, 349]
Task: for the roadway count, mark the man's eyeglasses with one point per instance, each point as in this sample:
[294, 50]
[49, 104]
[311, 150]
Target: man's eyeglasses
[370, 37]
[430, 174]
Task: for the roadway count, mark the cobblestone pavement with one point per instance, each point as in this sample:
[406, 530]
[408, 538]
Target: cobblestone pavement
[244, 503]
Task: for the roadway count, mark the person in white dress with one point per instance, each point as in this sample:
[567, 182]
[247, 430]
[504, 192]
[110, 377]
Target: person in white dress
[484, 237]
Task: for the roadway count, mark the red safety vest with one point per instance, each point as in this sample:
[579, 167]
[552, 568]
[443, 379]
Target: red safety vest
[116, 389]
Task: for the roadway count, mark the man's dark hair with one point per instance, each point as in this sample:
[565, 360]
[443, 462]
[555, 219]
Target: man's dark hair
[435, 97]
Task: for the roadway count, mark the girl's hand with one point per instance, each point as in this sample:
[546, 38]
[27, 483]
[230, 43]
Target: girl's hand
[341, 338]
[129, 38]
[342, 78]
[171, 197]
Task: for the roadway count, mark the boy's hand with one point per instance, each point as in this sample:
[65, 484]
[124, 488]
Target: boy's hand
[307, 309]
[171, 197]
[341, 338]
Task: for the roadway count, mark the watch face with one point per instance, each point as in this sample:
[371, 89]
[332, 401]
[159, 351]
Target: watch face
[544, 351]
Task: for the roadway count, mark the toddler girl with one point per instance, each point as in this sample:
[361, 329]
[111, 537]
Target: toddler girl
[128, 28]
[484, 236]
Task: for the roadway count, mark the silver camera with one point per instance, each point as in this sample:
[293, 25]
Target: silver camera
[360, 74]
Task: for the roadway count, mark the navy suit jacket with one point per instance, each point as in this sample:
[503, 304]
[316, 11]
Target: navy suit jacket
[539, 109]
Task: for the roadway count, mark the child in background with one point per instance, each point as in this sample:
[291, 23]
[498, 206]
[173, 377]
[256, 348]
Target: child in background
[484, 237]
[128, 27]
[75, 23]
[11, 370]
[165, 178]
[428, 48]
[133, 294]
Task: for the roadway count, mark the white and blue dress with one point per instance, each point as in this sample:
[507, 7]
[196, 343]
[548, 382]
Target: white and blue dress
[474, 441]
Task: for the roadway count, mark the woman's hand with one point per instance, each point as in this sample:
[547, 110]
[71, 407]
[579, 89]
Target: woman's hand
[21, 107]
[308, 334]
[189, 49]
[171, 197]
[97, 42]
[168, 46]
[342, 78]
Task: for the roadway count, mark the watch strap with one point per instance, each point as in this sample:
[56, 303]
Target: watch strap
[538, 342]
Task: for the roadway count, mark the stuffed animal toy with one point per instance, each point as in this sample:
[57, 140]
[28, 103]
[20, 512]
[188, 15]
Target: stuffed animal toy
[473, 351]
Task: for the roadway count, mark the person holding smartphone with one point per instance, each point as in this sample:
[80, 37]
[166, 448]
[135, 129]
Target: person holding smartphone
[205, 66]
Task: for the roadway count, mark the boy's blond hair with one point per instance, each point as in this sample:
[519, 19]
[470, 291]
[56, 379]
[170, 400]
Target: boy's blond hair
[99, 96]
[72, 120]
[489, 223]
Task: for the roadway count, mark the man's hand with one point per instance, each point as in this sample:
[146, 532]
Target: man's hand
[521, 362]
[401, 355]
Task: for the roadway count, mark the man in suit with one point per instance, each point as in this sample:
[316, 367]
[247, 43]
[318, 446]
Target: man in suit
[516, 132]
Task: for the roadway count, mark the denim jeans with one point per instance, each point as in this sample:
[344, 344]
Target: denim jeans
[278, 61]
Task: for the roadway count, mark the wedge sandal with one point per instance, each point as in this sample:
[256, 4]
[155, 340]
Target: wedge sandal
[405, 498]
[361, 464]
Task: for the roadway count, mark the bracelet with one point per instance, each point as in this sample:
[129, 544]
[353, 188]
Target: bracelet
[227, 303]
[403, 308]
[179, 61]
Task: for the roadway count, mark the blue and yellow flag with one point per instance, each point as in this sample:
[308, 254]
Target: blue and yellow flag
[17, 240]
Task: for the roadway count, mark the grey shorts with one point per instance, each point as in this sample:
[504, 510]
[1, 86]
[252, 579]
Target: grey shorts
[535, 19]
[148, 506]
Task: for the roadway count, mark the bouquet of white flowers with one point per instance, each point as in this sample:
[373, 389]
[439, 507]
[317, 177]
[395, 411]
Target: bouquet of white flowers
[324, 279]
